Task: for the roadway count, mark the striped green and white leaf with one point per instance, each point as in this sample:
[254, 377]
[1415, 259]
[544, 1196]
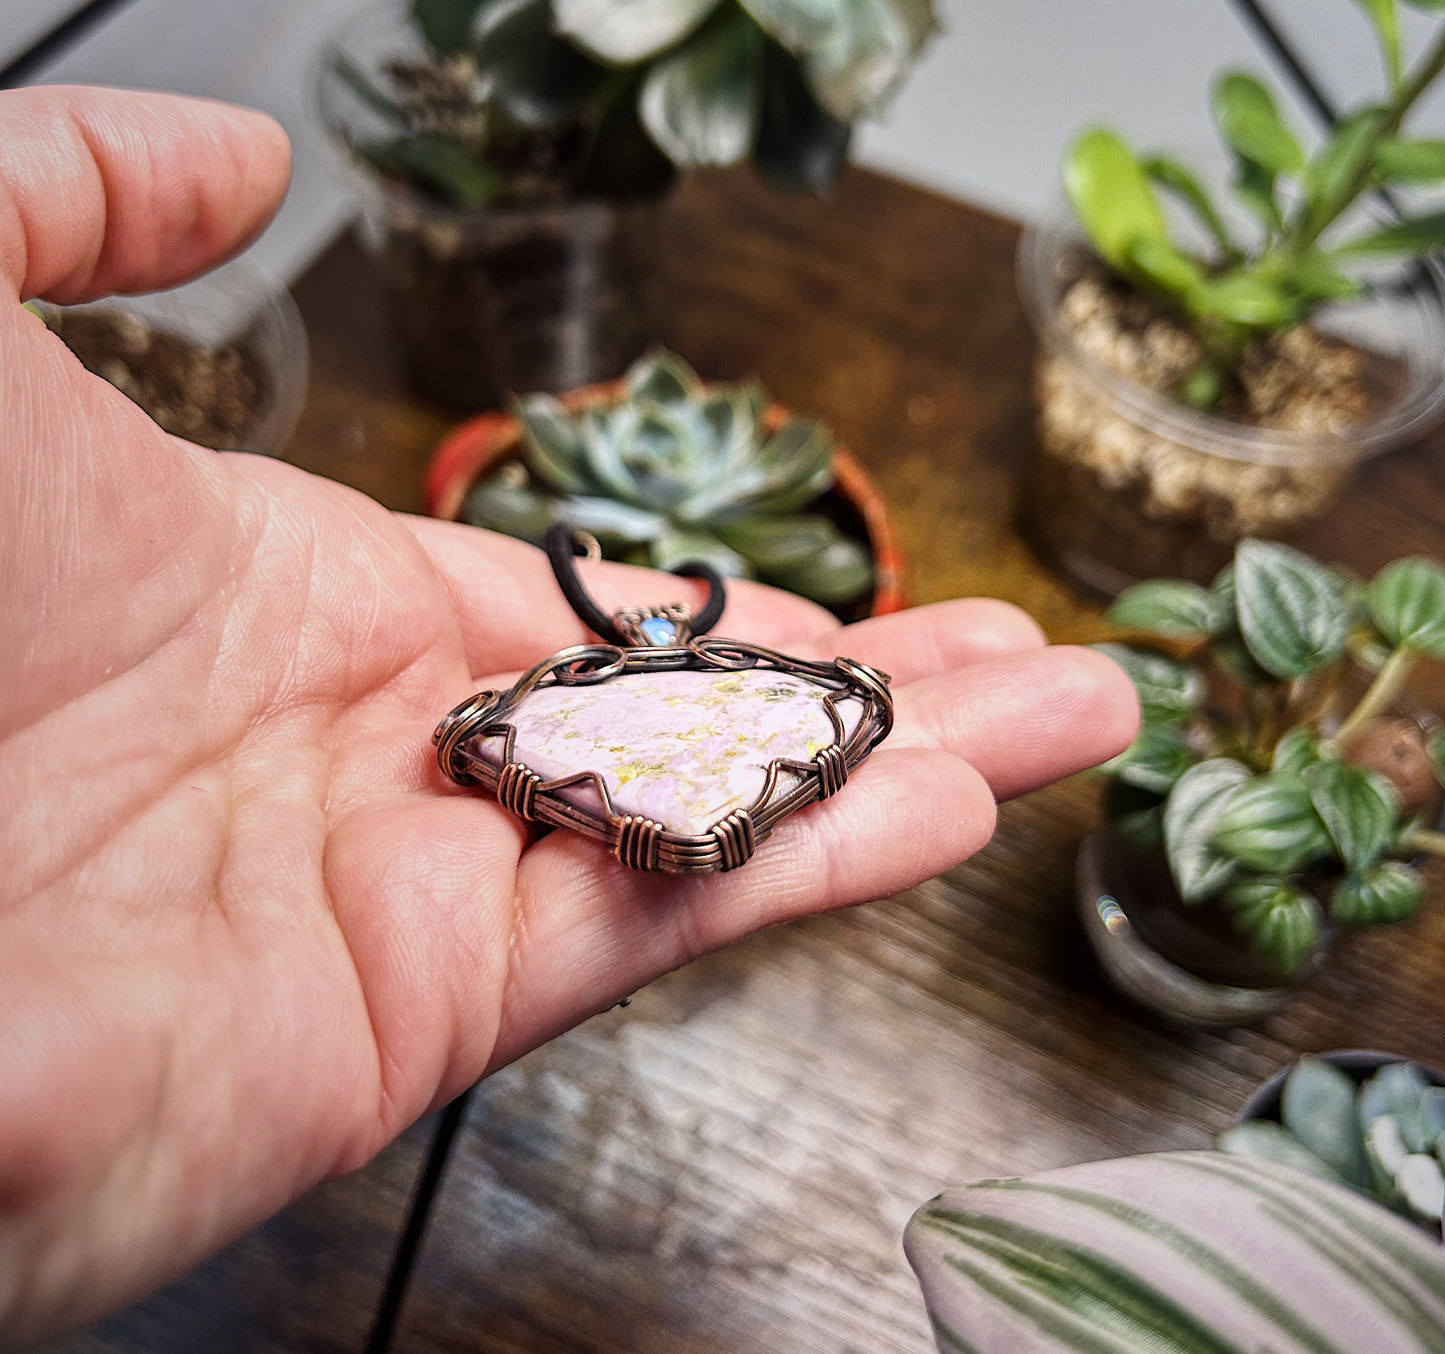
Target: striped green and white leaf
[1169, 691]
[1154, 761]
[1407, 602]
[1171, 607]
[1358, 806]
[1193, 811]
[1290, 610]
[1388, 891]
[1271, 824]
[1179, 1253]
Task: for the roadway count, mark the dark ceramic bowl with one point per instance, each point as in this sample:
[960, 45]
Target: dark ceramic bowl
[1358, 1062]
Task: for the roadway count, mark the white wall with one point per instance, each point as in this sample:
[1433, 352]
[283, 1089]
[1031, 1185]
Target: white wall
[989, 111]
[984, 118]
[23, 22]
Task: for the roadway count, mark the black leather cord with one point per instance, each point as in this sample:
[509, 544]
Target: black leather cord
[383, 1326]
[563, 548]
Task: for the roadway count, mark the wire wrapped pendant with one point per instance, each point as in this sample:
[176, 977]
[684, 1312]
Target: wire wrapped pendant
[679, 751]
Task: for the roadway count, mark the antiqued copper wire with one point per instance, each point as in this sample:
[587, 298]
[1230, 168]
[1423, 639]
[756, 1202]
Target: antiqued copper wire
[832, 771]
[736, 839]
[637, 841]
[517, 789]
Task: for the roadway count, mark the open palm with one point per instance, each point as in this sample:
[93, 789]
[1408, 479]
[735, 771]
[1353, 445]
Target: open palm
[247, 931]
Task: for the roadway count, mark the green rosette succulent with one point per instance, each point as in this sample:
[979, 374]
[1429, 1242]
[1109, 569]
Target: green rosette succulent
[1383, 1135]
[674, 470]
[519, 99]
[1272, 767]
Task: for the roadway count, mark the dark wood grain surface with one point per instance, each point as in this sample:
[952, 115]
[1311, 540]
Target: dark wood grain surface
[726, 1165]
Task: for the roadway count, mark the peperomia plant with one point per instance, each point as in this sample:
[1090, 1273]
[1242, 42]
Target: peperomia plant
[526, 99]
[1272, 767]
[1233, 290]
[1384, 1135]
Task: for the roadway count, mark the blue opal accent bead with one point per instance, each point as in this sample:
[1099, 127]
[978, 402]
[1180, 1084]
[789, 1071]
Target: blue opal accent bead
[658, 632]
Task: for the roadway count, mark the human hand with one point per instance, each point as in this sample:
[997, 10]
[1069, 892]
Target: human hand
[247, 931]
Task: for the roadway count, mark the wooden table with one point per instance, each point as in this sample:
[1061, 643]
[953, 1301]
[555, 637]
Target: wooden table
[725, 1166]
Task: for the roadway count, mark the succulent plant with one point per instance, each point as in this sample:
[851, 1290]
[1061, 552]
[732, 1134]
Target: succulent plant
[674, 470]
[1234, 289]
[1384, 1135]
[1275, 790]
[526, 98]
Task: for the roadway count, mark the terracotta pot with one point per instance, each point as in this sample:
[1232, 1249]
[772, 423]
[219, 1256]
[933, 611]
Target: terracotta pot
[483, 442]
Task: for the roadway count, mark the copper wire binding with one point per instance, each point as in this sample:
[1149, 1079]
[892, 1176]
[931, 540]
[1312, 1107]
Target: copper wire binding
[638, 842]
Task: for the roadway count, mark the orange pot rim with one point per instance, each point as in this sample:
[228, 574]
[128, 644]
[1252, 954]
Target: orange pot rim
[479, 443]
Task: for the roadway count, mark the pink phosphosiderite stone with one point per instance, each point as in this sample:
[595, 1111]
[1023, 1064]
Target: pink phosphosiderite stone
[682, 748]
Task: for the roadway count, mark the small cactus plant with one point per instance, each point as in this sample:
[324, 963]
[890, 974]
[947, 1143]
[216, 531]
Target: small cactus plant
[1384, 1136]
[673, 470]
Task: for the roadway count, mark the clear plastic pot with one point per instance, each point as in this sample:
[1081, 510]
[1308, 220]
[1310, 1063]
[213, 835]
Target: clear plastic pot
[489, 300]
[1126, 483]
[235, 307]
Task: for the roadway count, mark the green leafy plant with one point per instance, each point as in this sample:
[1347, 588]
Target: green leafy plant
[1174, 1253]
[674, 470]
[528, 99]
[1275, 786]
[1297, 259]
[1384, 1135]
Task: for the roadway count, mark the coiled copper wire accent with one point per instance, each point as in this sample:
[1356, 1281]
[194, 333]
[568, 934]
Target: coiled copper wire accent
[736, 839]
[517, 789]
[454, 730]
[832, 769]
[639, 841]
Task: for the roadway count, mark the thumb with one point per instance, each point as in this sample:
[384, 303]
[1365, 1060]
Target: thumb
[106, 191]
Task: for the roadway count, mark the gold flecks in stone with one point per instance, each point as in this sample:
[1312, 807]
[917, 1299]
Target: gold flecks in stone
[695, 735]
[681, 748]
